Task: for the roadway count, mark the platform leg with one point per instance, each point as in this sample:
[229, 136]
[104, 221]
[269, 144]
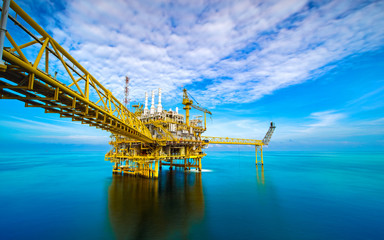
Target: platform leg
[185, 164]
[156, 172]
[261, 155]
[256, 153]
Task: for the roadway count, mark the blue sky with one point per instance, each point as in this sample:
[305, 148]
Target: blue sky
[316, 68]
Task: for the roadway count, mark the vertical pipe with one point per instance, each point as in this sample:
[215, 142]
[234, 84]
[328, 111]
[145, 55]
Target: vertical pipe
[205, 121]
[149, 171]
[185, 164]
[187, 114]
[3, 27]
[256, 153]
[199, 159]
[261, 154]
[156, 173]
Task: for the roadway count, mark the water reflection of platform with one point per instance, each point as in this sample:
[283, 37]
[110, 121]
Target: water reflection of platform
[164, 208]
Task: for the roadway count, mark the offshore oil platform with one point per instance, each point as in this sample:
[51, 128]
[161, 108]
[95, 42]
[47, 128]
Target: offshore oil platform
[179, 142]
[142, 141]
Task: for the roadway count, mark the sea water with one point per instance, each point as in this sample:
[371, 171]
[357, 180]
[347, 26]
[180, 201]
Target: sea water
[295, 195]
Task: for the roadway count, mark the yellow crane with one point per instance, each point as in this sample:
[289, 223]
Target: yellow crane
[189, 103]
[141, 142]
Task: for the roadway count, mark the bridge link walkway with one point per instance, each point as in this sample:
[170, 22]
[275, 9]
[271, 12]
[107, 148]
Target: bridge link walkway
[84, 99]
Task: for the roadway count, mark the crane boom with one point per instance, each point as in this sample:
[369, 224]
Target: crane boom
[189, 103]
[201, 109]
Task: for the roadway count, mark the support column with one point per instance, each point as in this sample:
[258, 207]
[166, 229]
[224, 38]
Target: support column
[115, 168]
[138, 169]
[199, 162]
[205, 121]
[261, 155]
[259, 151]
[187, 107]
[185, 164]
[156, 172]
[256, 153]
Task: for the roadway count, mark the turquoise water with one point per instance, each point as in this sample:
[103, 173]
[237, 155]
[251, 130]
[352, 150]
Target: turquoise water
[296, 195]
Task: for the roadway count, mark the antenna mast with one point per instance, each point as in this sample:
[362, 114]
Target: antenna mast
[126, 92]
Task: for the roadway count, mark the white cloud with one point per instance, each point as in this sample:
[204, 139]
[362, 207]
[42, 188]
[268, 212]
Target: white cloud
[293, 55]
[248, 48]
[368, 96]
[325, 119]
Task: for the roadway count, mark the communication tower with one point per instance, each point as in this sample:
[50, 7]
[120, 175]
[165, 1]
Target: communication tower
[126, 92]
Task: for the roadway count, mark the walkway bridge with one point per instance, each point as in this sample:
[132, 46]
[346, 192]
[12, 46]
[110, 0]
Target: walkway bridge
[83, 98]
[242, 141]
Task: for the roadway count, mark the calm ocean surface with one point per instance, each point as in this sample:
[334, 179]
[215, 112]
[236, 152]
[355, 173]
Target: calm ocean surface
[296, 195]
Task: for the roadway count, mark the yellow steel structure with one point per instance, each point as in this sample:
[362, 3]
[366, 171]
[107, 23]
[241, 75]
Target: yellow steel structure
[84, 99]
[142, 142]
[239, 141]
[189, 103]
[226, 140]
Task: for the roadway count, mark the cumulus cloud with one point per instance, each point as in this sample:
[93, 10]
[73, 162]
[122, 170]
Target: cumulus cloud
[224, 51]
